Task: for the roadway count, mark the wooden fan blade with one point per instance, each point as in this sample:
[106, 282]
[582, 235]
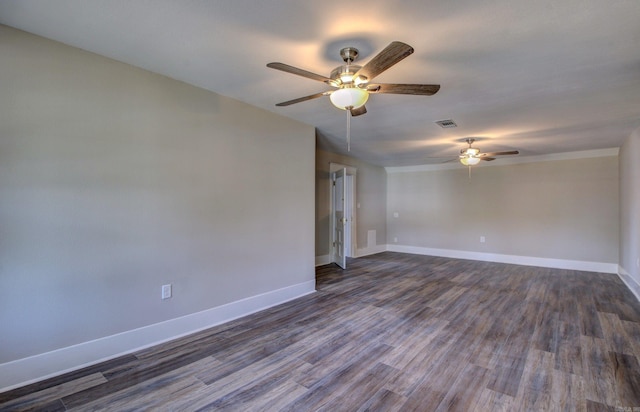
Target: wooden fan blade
[416, 89]
[490, 154]
[359, 111]
[488, 159]
[391, 55]
[300, 72]
[303, 99]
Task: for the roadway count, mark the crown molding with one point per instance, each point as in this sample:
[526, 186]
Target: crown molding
[585, 154]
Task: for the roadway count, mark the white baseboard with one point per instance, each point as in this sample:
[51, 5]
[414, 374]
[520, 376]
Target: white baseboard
[586, 266]
[323, 260]
[326, 259]
[631, 283]
[42, 366]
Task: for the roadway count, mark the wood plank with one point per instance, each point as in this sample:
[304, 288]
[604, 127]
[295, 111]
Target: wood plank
[589, 321]
[593, 406]
[384, 400]
[599, 371]
[336, 383]
[615, 334]
[569, 352]
[510, 362]
[261, 391]
[632, 330]
[504, 313]
[238, 383]
[488, 400]
[150, 394]
[49, 398]
[536, 387]
[627, 375]
[545, 336]
[463, 393]
[405, 352]
[567, 392]
[66, 377]
[363, 387]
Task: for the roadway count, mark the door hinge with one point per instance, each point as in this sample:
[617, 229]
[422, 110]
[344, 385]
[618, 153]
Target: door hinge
[334, 182]
[334, 244]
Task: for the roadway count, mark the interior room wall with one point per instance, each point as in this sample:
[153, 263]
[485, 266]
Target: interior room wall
[561, 209]
[630, 209]
[115, 181]
[371, 193]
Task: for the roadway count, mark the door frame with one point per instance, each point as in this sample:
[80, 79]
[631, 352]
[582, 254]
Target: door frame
[350, 183]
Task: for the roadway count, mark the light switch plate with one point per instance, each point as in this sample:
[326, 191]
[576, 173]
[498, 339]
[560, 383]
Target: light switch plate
[166, 291]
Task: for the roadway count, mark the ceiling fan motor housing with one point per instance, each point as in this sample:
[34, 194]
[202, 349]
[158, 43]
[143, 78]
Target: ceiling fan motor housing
[344, 74]
[349, 54]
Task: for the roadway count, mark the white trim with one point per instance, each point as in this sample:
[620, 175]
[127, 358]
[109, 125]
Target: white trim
[326, 259]
[334, 167]
[371, 250]
[352, 226]
[601, 267]
[46, 365]
[586, 154]
[323, 260]
[628, 280]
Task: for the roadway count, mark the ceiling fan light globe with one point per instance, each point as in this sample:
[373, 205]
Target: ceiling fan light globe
[469, 160]
[349, 97]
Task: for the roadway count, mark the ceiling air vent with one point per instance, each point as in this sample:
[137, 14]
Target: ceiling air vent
[446, 124]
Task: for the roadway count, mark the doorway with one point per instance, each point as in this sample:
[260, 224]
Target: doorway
[343, 213]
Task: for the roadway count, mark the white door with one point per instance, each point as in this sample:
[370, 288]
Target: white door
[339, 218]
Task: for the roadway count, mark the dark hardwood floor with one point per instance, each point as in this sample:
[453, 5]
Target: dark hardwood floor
[394, 332]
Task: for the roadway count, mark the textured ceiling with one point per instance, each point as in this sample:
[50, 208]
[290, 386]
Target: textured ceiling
[537, 76]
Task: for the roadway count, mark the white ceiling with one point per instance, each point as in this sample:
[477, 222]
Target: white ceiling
[544, 76]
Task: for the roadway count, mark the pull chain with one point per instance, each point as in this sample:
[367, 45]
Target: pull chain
[348, 130]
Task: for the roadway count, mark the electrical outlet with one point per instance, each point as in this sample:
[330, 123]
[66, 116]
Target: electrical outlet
[395, 240]
[166, 291]
[482, 239]
[396, 214]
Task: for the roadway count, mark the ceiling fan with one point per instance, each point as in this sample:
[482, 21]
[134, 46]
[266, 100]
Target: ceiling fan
[471, 155]
[351, 82]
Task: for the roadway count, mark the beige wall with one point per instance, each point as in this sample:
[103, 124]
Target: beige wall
[565, 209]
[630, 206]
[370, 193]
[114, 181]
